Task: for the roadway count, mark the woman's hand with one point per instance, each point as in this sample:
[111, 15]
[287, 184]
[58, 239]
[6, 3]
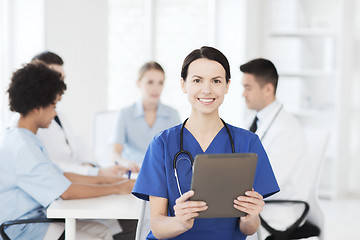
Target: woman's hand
[186, 211]
[252, 204]
[113, 171]
[133, 166]
[125, 186]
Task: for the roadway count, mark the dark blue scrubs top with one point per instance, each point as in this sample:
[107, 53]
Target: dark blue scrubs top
[156, 177]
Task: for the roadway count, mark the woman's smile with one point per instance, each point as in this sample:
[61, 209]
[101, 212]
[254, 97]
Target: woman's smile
[206, 101]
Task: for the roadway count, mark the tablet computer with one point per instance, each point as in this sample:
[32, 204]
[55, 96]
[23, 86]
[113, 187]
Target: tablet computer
[220, 178]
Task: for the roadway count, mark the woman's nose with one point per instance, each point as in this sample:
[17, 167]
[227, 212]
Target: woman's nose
[206, 89]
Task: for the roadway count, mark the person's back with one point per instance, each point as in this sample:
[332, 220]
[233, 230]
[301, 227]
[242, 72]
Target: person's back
[29, 180]
[23, 167]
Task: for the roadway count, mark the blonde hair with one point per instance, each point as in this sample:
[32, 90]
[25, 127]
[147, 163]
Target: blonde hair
[149, 66]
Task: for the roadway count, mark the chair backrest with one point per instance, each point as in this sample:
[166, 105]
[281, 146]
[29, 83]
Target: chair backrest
[103, 127]
[143, 226]
[316, 143]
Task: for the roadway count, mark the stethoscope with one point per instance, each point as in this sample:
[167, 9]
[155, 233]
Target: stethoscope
[182, 151]
[271, 123]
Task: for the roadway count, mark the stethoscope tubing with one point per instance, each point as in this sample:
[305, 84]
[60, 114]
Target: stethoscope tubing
[182, 151]
[271, 123]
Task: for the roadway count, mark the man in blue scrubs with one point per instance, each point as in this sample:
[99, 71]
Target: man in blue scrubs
[29, 180]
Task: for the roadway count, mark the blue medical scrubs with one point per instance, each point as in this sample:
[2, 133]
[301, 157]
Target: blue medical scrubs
[156, 177]
[132, 130]
[29, 182]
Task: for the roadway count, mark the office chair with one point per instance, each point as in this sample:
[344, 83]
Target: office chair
[25, 221]
[103, 126]
[316, 143]
[143, 227]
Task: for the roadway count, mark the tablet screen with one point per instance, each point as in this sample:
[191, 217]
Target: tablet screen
[220, 178]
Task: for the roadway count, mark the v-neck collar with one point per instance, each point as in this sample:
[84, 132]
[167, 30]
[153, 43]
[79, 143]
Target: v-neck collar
[197, 145]
[161, 110]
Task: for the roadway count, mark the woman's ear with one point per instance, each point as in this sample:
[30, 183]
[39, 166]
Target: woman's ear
[227, 86]
[138, 83]
[183, 87]
[36, 112]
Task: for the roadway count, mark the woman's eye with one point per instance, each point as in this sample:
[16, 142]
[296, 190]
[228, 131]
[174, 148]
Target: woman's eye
[196, 80]
[217, 81]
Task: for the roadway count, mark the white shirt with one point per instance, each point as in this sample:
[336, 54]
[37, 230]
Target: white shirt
[284, 142]
[68, 156]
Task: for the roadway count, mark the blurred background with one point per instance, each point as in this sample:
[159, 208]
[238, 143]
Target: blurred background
[315, 46]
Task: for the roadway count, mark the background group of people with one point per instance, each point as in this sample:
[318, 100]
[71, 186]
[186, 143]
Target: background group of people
[42, 158]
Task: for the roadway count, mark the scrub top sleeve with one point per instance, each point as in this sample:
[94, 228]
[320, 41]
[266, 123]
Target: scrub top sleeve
[119, 128]
[37, 176]
[265, 182]
[151, 180]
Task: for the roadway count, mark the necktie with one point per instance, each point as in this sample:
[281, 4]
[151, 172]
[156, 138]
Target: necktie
[58, 121]
[254, 125]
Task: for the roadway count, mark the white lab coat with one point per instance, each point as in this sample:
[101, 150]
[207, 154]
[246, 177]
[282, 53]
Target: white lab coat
[69, 157]
[284, 143]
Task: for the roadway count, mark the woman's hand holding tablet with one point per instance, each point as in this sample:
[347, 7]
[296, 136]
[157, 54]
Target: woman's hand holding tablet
[187, 211]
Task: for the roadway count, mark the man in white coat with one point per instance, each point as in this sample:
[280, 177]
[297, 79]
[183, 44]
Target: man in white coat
[71, 154]
[281, 136]
[65, 147]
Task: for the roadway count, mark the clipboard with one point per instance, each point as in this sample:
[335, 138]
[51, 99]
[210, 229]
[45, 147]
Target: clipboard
[220, 178]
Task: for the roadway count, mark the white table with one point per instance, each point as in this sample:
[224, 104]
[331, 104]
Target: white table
[124, 206]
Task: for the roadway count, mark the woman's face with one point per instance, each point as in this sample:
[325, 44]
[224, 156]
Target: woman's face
[46, 114]
[205, 85]
[151, 85]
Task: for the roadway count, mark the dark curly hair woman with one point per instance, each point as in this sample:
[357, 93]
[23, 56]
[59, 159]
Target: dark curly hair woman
[33, 88]
[30, 181]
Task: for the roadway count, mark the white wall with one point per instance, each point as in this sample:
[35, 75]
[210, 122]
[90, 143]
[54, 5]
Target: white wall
[77, 31]
[4, 53]
[21, 37]
[348, 166]
[334, 100]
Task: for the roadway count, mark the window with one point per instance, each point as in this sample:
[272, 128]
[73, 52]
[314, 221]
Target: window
[21, 37]
[166, 31]
[3, 59]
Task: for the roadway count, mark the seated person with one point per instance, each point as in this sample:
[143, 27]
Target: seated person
[137, 124]
[281, 135]
[64, 146]
[30, 181]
